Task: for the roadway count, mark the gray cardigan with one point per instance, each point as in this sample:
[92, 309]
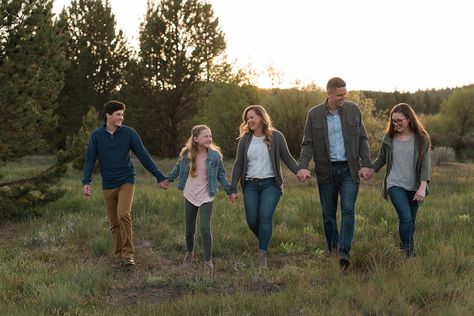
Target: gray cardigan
[422, 167]
[278, 150]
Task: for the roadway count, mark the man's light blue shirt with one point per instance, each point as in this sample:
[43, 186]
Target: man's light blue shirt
[337, 151]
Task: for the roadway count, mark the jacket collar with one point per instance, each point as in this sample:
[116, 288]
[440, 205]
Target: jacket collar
[387, 140]
[326, 107]
[104, 127]
[210, 154]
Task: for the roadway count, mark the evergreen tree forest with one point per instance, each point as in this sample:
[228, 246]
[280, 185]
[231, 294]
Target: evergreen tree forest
[56, 72]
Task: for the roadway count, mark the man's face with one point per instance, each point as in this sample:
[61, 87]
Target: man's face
[115, 119]
[337, 97]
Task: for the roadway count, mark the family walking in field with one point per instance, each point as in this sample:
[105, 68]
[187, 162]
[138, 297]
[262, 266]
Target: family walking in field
[336, 140]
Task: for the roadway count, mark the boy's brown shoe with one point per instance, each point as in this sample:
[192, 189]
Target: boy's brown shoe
[128, 262]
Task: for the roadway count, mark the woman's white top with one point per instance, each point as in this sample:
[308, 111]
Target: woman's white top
[258, 156]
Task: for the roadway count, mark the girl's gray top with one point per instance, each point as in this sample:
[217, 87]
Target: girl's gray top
[403, 172]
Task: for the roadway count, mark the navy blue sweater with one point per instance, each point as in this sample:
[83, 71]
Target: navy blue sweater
[113, 151]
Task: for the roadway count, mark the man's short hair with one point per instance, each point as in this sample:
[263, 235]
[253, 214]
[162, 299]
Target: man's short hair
[334, 83]
[112, 106]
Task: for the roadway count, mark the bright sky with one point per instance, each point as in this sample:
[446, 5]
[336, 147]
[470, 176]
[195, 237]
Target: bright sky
[385, 45]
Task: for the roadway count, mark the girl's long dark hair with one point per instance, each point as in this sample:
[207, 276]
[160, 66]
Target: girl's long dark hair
[415, 125]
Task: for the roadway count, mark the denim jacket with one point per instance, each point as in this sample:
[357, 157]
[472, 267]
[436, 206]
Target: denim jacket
[215, 172]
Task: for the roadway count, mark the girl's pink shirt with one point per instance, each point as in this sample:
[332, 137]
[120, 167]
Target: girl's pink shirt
[196, 188]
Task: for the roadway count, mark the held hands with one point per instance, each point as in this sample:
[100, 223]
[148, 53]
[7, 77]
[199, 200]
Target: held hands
[303, 174]
[164, 184]
[366, 173]
[233, 197]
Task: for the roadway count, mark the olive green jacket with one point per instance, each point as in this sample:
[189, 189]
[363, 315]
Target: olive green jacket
[422, 166]
[315, 142]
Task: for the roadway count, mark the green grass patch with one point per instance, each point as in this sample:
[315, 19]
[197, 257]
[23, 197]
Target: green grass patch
[59, 263]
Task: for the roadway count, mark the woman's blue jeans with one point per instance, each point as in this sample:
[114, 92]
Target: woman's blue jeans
[261, 197]
[406, 209]
[328, 193]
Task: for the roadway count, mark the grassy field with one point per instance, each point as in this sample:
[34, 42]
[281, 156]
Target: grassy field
[59, 263]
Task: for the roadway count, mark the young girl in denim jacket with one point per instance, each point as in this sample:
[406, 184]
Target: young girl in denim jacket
[199, 168]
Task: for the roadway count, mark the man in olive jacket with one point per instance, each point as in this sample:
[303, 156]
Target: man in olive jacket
[336, 139]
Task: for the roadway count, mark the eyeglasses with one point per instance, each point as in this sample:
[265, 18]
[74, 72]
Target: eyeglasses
[398, 122]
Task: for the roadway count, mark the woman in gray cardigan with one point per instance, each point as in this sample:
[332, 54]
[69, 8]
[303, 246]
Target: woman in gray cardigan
[257, 166]
[405, 150]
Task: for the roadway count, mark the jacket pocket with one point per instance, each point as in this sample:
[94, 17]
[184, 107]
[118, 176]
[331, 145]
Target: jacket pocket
[353, 134]
[353, 126]
[318, 140]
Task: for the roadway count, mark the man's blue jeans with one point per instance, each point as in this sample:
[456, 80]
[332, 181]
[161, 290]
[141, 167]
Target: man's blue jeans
[260, 199]
[328, 193]
[406, 209]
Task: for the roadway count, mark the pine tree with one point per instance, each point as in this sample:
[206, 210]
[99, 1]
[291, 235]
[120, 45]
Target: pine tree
[32, 65]
[77, 145]
[98, 55]
[19, 198]
[179, 41]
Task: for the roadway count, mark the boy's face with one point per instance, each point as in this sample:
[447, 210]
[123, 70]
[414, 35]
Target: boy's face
[115, 119]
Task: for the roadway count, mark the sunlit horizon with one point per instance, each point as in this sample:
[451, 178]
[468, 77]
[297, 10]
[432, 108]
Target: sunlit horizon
[373, 45]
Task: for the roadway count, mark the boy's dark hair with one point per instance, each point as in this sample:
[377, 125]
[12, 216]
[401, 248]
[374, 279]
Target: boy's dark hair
[112, 106]
[334, 83]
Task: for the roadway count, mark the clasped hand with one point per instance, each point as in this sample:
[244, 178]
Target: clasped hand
[303, 174]
[233, 197]
[366, 173]
[164, 184]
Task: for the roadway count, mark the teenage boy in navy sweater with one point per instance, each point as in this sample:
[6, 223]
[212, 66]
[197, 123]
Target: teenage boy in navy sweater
[112, 144]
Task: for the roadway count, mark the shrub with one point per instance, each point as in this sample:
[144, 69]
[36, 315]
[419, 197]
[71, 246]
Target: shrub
[77, 144]
[442, 155]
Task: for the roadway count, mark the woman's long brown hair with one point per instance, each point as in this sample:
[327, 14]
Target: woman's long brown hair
[266, 123]
[415, 125]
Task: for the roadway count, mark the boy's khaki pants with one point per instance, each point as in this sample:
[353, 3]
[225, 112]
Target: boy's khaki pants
[118, 202]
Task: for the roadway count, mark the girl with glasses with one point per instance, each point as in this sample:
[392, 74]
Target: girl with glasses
[405, 150]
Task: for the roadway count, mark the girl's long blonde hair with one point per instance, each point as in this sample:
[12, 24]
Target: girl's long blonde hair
[266, 123]
[190, 150]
